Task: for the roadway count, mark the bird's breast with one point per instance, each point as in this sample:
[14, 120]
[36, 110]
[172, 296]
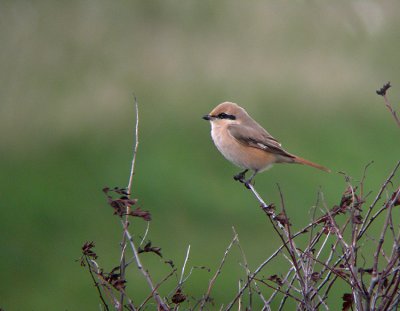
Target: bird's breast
[239, 154]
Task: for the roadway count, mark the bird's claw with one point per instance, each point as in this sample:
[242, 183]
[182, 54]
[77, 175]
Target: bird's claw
[240, 177]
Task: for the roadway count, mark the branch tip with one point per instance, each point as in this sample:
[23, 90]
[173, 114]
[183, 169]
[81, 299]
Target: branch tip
[382, 91]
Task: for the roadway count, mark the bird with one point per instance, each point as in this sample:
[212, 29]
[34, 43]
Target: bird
[245, 143]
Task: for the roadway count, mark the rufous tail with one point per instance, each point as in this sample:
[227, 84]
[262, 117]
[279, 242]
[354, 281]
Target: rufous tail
[309, 163]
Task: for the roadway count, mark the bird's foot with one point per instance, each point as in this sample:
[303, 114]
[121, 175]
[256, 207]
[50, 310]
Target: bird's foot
[249, 182]
[241, 176]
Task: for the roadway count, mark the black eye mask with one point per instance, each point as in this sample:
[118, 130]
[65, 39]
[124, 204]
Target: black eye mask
[223, 115]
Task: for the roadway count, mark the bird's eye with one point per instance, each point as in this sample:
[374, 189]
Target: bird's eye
[224, 115]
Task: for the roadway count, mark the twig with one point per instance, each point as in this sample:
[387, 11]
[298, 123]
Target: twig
[252, 276]
[367, 223]
[126, 221]
[122, 265]
[240, 299]
[105, 284]
[246, 268]
[289, 287]
[383, 92]
[96, 284]
[328, 268]
[184, 266]
[212, 281]
[327, 262]
[265, 206]
[293, 249]
[288, 244]
[145, 234]
[135, 149]
[154, 292]
[277, 251]
[363, 179]
[281, 291]
[392, 295]
[248, 273]
[381, 241]
[155, 288]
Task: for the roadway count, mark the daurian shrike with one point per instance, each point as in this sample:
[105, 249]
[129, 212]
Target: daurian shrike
[247, 144]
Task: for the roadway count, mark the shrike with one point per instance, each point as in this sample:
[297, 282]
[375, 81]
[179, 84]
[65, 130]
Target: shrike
[247, 144]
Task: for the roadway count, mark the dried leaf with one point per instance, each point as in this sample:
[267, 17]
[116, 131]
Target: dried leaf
[150, 249]
[382, 91]
[138, 212]
[119, 284]
[349, 199]
[114, 278]
[269, 209]
[347, 302]
[87, 250]
[122, 204]
[357, 219]
[178, 297]
[397, 202]
[122, 191]
[315, 276]
[276, 279]
[203, 268]
[282, 219]
[368, 271]
[329, 227]
[170, 263]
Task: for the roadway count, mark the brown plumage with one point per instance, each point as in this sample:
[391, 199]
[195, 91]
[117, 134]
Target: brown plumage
[247, 144]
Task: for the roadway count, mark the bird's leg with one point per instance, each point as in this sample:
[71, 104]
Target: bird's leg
[241, 176]
[247, 183]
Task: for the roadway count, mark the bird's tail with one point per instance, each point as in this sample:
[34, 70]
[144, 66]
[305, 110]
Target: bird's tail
[309, 163]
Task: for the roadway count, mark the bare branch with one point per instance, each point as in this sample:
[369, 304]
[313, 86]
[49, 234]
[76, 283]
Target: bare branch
[217, 273]
[383, 93]
[184, 265]
[155, 288]
[96, 284]
[367, 223]
[135, 149]
[129, 187]
[248, 273]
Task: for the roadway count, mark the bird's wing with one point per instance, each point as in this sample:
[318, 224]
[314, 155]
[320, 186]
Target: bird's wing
[256, 137]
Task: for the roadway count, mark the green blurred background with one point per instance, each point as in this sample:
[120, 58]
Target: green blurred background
[306, 70]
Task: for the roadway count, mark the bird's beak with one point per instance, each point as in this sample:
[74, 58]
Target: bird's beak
[207, 117]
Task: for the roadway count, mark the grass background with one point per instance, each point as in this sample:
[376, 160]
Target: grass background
[306, 70]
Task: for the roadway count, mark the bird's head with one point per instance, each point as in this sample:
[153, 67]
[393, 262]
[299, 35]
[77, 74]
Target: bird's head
[226, 113]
